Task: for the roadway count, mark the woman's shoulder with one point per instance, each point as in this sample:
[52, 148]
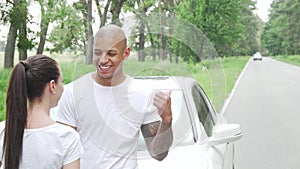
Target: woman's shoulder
[64, 129]
[65, 134]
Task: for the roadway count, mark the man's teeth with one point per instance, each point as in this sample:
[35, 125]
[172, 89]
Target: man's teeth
[104, 67]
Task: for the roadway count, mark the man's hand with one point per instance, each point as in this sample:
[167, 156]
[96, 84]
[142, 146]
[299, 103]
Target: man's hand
[162, 101]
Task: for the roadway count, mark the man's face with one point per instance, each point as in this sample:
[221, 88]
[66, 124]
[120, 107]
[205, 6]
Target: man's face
[109, 53]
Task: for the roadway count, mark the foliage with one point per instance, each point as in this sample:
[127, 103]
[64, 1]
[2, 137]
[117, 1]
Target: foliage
[228, 27]
[4, 77]
[248, 44]
[281, 35]
[195, 30]
[15, 13]
[218, 20]
[68, 32]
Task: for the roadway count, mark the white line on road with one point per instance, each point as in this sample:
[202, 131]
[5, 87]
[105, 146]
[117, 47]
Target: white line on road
[233, 89]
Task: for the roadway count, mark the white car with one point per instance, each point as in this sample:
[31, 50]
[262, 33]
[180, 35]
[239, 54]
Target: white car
[202, 138]
[257, 56]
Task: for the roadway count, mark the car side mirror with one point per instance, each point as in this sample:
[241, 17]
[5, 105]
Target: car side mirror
[225, 133]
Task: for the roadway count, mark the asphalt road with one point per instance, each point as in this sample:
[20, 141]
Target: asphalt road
[266, 103]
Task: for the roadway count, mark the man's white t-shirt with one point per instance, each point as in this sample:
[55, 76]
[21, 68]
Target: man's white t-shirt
[108, 120]
[48, 147]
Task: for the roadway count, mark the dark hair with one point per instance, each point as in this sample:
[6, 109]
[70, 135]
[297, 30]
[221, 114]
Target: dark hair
[27, 81]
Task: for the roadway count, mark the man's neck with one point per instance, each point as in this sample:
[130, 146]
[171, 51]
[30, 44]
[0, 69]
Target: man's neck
[114, 81]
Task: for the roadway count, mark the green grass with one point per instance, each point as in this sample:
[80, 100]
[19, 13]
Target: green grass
[4, 77]
[216, 77]
[293, 59]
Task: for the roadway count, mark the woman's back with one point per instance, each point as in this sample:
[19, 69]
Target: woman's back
[48, 147]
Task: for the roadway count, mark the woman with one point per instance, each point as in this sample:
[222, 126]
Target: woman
[31, 139]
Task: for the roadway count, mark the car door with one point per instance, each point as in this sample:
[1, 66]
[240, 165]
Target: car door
[209, 122]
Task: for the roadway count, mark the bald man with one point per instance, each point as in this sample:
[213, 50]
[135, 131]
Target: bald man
[109, 110]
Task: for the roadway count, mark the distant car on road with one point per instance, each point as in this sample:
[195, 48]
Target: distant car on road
[202, 138]
[257, 56]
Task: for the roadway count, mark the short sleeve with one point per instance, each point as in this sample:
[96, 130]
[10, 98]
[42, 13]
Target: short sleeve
[73, 147]
[66, 108]
[151, 111]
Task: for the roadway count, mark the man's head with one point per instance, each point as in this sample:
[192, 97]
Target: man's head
[110, 50]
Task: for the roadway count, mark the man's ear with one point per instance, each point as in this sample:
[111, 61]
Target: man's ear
[52, 86]
[126, 53]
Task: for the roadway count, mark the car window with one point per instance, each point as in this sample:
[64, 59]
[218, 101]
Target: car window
[203, 110]
[181, 124]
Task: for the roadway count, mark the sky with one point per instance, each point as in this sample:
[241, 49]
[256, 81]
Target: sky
[263, 7]
[262, 11]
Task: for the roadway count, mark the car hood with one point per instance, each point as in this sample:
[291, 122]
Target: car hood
[189, 157]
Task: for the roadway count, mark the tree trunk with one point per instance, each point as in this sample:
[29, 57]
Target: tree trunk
[44, 28]
[161, 37]
[87, 14]
[43, 35]
[176, 56]
[104, 16]
[84, 11]
[23, 43]
[170, 57]
[152, 43]
[10, 46]
[200, 55]
[90, 39]
[116, 10]
[99, 7]
[141, 52]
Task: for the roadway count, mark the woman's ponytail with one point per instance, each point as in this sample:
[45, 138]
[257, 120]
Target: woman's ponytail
[16, 115]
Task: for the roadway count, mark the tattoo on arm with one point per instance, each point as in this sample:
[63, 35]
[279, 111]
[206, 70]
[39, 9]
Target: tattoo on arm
[158, 137]
[149, 131]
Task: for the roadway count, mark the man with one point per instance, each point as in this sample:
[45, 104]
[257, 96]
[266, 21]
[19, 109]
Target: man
[109, 110]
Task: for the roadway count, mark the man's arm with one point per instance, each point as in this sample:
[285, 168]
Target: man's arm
[159, 135]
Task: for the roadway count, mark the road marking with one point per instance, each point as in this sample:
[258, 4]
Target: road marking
[234, 88]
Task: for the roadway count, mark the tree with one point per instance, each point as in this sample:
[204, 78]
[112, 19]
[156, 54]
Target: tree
[281, 35]
[68, 32]
[47, 9]
[86, 9]
[141, 33]
[16, 14]
[291, 32]
[219, 20]
[248, 42]
[10, 46]
[23, 43]
[116, 7]
[103, 17]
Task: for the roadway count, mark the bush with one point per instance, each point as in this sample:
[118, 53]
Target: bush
[4, 77]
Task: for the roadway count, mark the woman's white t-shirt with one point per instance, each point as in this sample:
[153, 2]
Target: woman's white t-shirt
[49, 147]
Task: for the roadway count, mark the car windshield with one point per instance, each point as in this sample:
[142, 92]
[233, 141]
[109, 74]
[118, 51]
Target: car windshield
[181, 125]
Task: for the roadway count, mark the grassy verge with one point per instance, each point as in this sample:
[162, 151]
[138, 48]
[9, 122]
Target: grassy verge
[216, 77]
[293, 59]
